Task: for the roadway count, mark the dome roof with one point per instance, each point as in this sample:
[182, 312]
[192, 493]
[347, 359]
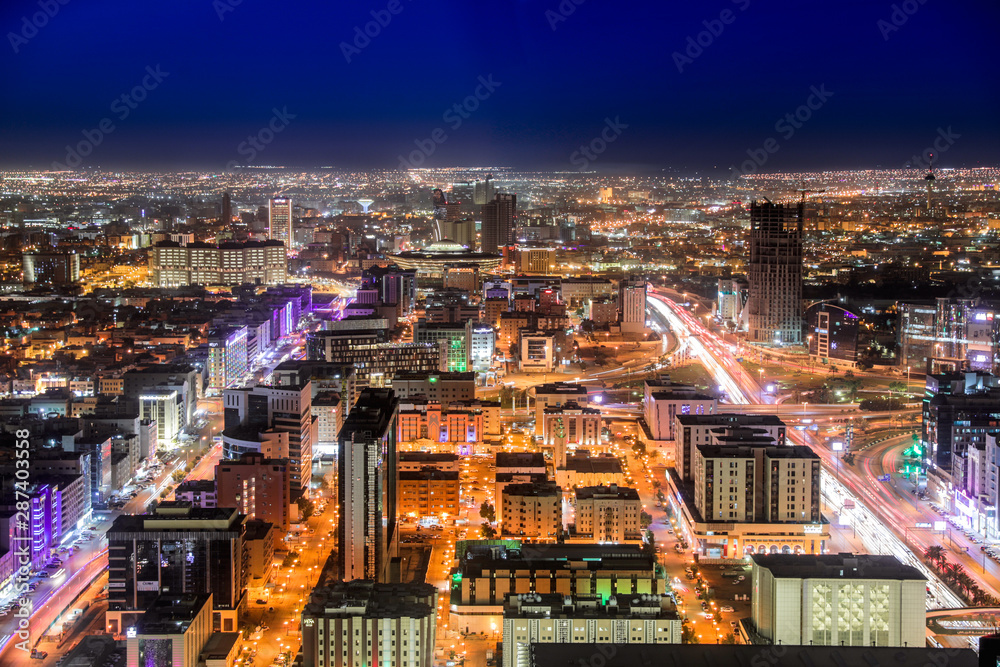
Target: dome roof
[444, 247]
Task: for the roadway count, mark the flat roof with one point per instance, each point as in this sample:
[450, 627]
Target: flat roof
[836, 566]
[610, 491]
[688, 655]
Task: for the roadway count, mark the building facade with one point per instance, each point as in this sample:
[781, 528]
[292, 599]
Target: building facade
[774, 302]
[838, 600]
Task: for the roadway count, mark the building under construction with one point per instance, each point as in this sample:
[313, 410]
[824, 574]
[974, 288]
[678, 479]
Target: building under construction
[774, 308]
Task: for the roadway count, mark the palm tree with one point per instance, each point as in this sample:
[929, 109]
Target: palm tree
[934, 554]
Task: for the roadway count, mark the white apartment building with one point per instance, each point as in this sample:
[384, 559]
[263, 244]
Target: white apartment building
[694, 430]
[663, 401]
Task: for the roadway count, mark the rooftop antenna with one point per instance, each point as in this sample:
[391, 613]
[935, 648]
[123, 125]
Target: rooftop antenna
[930, 178]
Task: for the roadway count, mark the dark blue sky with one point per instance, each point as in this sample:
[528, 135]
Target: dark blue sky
[892, 89]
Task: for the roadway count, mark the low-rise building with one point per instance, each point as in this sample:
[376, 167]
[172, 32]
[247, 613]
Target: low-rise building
[489, 572]
[838, 600]
[607, 514]
[531, 619]
[664, 400]
[429, 492]
[362, 623]
[532, 511]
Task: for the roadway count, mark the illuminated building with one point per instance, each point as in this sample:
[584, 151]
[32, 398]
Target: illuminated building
[732, 296]
[695, 430]
[556, 394]
[632, 306]
[366, 465]
[161, 406]
[286, 410]
[227, 357]
[173, 630]
[838, 600]
[607, 514]
[279, 220]
[256, 262]
[176, 550]
[774, 304]
[537, 352]
[436, 387]
[570, 426]
[429, 492]
[51, 268]
[340, 622]
[536, 260]
[664, 400]
[499, 216]
[532, 620]
[488, 573]
[435, 259]
[532, 510]
[256, 486]
[833, 333]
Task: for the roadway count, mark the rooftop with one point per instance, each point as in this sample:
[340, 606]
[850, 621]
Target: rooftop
[610, 491]
[687, 655]
[836, 566]
[372, 600]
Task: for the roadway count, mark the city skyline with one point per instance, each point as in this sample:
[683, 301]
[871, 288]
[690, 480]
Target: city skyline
[572, 86]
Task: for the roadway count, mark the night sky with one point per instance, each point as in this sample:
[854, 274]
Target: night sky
[896, 82]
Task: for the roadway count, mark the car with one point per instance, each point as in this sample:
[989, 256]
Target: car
[727, 609]
[260, 601]
[43, 575]
[734, 624]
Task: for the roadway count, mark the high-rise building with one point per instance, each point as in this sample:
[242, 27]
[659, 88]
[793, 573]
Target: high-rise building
[483, 191]
[838, 600]
[632, 306]
[51, 268]
[176, 550]
[279, 220]
[280, 411]
[227, 357]
[367, 487]
[774, 305]
[362, 623]
[498, 222]
[949, 335]
[227, 209]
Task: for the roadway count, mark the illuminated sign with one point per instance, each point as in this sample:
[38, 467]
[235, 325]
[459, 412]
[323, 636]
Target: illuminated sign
[922, 525]
[838, 446]
[940, 526]
[812, 528]
[310, 622]
[131, 632]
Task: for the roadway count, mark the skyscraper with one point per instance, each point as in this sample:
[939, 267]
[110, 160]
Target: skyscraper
[367, 487]
[498, 222]
[227, 209]
[774, 306]
[483, 191]
[279, 220]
